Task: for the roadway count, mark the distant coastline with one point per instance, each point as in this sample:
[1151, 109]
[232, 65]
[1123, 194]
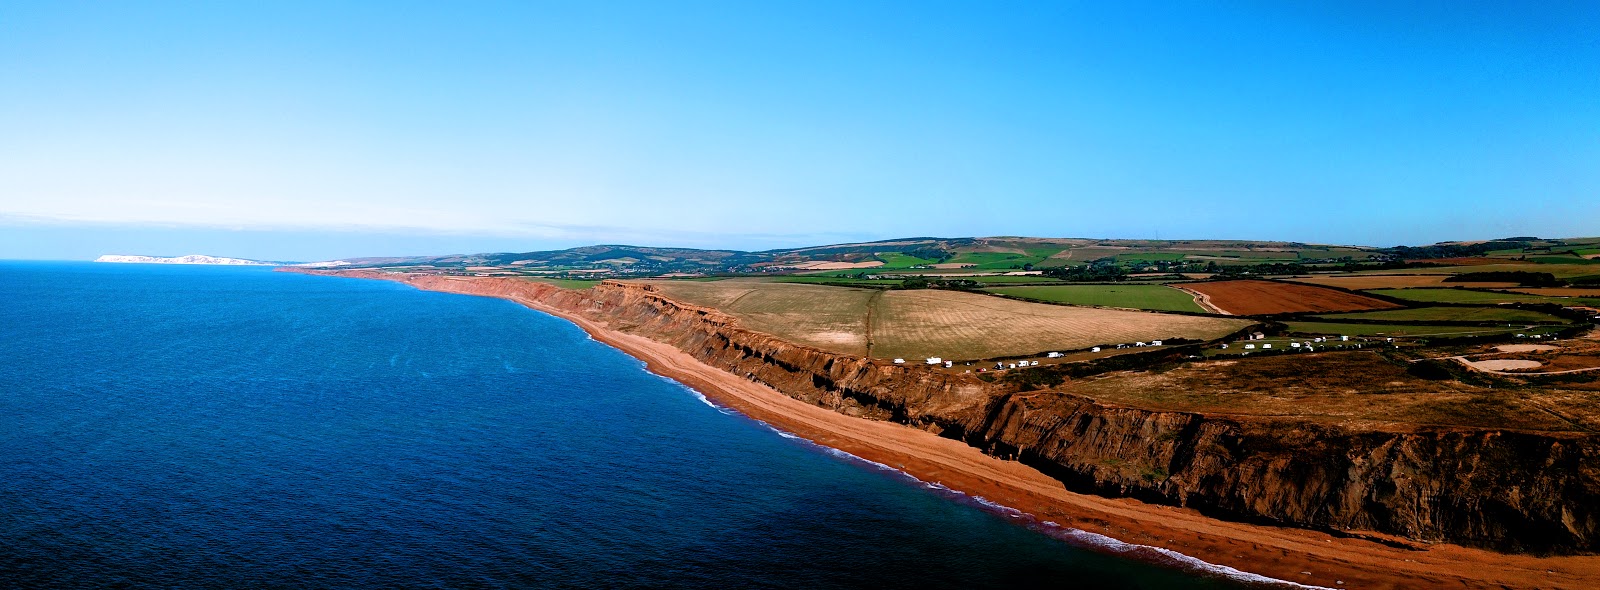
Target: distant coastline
[209, 260]
[1289, 555]
[187, 259]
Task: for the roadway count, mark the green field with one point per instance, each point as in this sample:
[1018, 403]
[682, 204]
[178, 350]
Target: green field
[836, 280]
[567, 283]
[1449, 314]
[894, 260]
[1390, 330]
[1569, 267]
[1149, 256]
[850, 278]
[1012, 280]
[1561, 260]
[1003, 260]
[1426, 295]
[1153, 297]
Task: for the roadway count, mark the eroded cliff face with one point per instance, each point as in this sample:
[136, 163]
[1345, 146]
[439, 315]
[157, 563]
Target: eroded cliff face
[1505, 490]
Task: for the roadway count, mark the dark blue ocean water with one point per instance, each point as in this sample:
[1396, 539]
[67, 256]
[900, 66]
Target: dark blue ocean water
[205, 427]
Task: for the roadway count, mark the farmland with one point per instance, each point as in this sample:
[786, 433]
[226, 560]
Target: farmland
[1000, 260]
[1269, 297]
[953, 324]
[830, 279]
[895, 260]
[1395, 281]
[1152, 297]
[1593, 292]
[567, 283]
[1470, 296]
[1449, 314]
[1562, 271]
[1013, 279]
[1333, 388]
[830, 318]
[1390, 330]
[924, 322]
[1562, 260]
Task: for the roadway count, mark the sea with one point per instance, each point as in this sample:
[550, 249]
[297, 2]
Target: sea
[234, 427]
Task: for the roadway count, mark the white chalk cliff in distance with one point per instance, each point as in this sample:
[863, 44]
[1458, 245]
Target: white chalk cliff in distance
[190, 259]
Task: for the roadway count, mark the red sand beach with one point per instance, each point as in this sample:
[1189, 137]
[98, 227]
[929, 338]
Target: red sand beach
[1291, 554]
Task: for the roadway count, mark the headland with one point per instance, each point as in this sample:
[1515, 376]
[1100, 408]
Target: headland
[1302, 500]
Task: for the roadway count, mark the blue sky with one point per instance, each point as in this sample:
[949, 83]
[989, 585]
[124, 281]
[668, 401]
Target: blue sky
[337, 129]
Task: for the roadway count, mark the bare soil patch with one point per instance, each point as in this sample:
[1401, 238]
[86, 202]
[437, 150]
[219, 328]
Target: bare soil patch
[1505, 364]
[1524, 347]
[1571, 362]
[1268, 297]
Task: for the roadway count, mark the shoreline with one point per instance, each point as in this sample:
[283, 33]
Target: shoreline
[1153, 533]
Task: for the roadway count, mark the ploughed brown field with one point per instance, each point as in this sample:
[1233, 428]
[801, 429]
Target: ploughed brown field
[1266, 297]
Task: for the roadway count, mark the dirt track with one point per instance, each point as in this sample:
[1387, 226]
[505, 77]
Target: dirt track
[1201, 299]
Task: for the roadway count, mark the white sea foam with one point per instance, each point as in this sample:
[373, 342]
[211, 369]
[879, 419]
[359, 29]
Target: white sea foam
[1076, 537]
[702, 397]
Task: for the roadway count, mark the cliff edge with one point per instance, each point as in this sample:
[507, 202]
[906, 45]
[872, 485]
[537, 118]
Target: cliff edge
[1509, 490]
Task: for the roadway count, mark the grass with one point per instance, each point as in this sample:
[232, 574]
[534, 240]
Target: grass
[920, 323]
[1250, 256]
[1005, 260]
[1150, 256]
[568, 283]
[830, 318]
[835, 280]
[1426, 295]
[1449, 314]
[1389, 330]
[993, 260]
[1011, 280]
[1396, 281]
[894, 260]
[1562, 260]
[1153, 297]
[1335, 389]
[1567, 268]
[957, 325]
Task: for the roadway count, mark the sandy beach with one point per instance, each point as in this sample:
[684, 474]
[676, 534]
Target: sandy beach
[1289, 554]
